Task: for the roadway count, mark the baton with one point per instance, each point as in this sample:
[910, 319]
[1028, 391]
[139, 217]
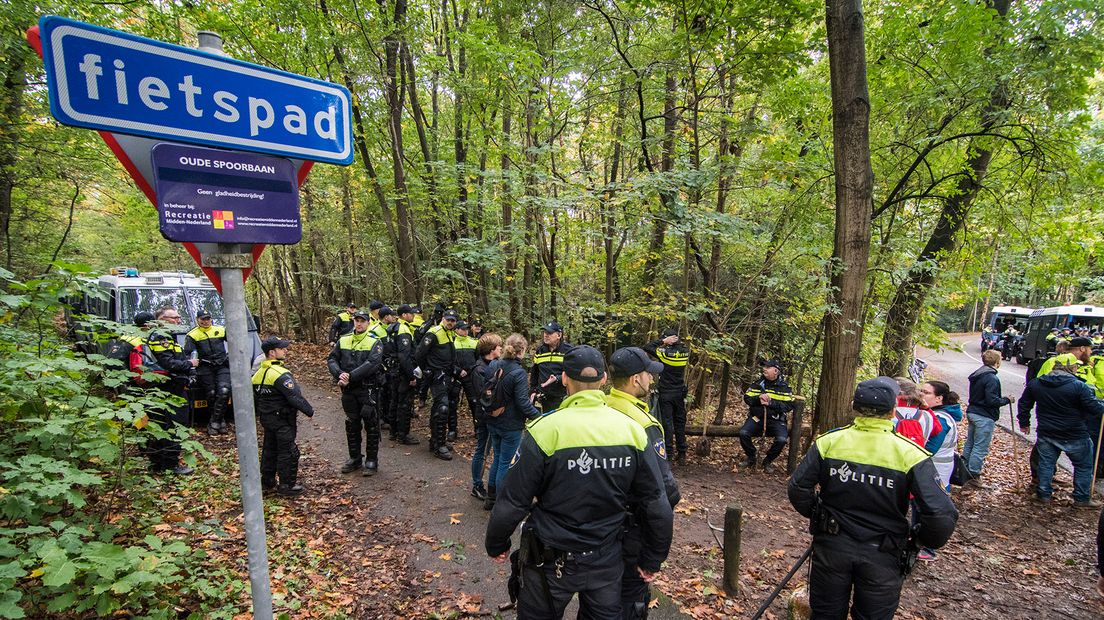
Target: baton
[782, 584]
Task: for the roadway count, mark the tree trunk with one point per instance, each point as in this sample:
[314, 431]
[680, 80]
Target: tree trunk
[853, 189]
[666, 196]
[912, 293]
[11, 107]
[393, 89]
[507, 234]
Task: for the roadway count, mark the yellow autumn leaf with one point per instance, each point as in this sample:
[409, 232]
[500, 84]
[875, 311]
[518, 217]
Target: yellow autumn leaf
[38, 572]
[141, 422]
[446, 556]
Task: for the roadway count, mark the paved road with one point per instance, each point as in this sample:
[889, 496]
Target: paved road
[954, 367]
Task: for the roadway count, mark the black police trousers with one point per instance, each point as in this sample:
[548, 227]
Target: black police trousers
[213, 384]
[402, 407]
[773, 427]
[454, 404]
[385, 394]
[164, 453]
[440, 386]
[595, 576]
[359, 404]
[843, 567]
[672, 412]
[279, 454]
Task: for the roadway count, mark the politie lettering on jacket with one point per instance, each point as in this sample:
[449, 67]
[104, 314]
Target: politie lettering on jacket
[846, 474]
[585, 463]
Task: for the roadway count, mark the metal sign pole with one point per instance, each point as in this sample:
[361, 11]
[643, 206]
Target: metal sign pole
[240, 345]
[240, 348]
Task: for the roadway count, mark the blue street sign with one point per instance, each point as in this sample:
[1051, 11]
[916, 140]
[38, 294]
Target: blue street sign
[114, 81]
[214, 196]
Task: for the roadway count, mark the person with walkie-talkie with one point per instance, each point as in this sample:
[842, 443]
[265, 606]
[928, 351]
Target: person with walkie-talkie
[854, 485]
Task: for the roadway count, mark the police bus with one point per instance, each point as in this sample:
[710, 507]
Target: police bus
[1000, 318]
[1044, 320]
[124, 292]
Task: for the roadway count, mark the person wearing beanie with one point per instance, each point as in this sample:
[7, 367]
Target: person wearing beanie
[854, 486]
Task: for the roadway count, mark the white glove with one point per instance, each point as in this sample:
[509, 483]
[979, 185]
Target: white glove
[417, 372]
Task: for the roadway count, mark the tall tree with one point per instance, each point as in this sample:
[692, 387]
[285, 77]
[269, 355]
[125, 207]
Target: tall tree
[854, 189]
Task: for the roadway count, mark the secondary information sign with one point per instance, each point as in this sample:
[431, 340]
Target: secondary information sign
[213, 196]
[114, 81]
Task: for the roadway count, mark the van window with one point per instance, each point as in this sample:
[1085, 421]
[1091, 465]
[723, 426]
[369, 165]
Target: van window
[135, 300]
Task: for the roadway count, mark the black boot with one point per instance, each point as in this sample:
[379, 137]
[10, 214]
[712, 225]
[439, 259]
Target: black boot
[409, 440]
[490, 501]
[478, 492]
[268, 483]
[290, 490]
[371, 467]
[351, 465]
[442, 452]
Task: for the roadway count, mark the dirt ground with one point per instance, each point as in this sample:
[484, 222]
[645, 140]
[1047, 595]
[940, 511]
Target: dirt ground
[410, 539]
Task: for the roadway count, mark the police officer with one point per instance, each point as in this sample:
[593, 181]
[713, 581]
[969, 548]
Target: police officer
[436, 356]
[384, 318]
[674, 355]
[866, 474]
[355, 363]
[342, 323]
[769, 400]
[632, 373]
[544, 377]
[476, 328]
[464, 345]
[572, 477]
[277, 399]
[400, 351]
[164, 453]
[208, 342]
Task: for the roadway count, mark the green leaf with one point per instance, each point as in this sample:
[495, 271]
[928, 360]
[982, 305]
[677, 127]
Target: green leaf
[9, 607]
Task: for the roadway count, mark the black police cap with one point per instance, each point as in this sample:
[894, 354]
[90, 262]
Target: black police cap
[142, 318]
[375, 304]
[628, 361]
[584, 363]
[879, 394]
[552, 327]
[404, 309]
[272, 342]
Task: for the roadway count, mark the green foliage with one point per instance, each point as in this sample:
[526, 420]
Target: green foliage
[65, 470]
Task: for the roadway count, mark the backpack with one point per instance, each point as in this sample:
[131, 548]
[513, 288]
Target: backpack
[142, 359]
[493, 395]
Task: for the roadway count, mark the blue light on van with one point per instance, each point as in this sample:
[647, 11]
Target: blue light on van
[131, 272]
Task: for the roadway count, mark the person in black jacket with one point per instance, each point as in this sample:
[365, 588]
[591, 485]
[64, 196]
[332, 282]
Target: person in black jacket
[436, 355]
[768, 400]
[862, 541]
[208, 341]
[400, 351]
[277, 399]
[674, 355]
[504, 430]
[571, 479]
[342, 323]
[632, 373]
[356, 364]
[544, 377]
[982, 412]
[164, 453]
[1065, 406]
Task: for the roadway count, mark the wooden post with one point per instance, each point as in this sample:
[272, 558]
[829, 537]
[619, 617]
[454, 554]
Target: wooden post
[733, 517]
[795, 434]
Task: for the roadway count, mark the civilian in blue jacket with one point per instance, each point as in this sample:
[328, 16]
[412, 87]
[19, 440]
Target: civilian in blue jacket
[1065, 405]
[982, 412]
[504, 431]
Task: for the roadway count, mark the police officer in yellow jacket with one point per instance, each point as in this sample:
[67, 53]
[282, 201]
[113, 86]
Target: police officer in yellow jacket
[768, 400]
[277, 399]
[164, 453]
[208, 342]
[862, 542]
[436, 356]
[356, 363]
[632, 373]
[573, 477]
[399, 350]
[342, 323]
